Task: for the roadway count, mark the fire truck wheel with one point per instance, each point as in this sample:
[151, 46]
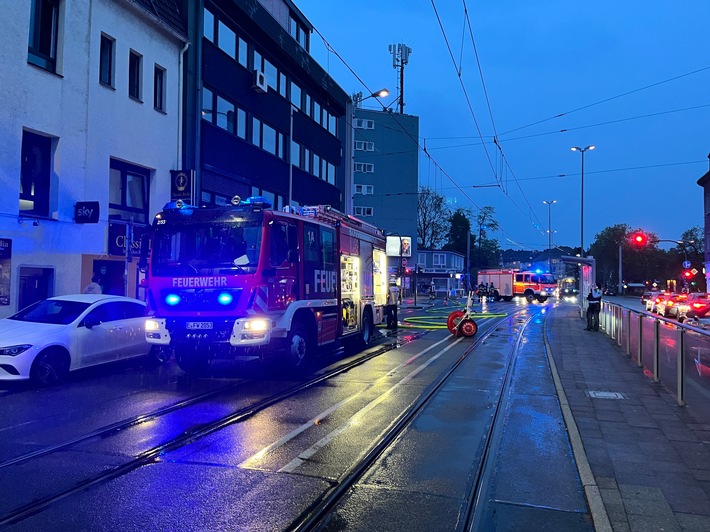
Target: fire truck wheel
[297, 350]
[453, 320]
[468, 328]
[530, 296]
[190, 360]
[542, 299]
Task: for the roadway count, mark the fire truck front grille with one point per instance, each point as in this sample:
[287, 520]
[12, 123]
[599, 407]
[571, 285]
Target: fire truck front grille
[201, 300]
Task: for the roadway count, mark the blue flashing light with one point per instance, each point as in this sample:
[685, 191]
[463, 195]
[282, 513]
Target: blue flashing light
[225, 298]
[172, 299]
[257, 200]
[538, 270]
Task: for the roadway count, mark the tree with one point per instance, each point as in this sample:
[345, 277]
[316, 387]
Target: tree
[459, 231]
[432, 219]
[487, 251]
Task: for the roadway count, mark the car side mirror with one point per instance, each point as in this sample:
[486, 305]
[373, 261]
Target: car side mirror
[91, 321]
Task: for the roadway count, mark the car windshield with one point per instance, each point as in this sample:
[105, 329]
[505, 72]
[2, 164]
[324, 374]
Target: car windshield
[55, 311]
[204, 249]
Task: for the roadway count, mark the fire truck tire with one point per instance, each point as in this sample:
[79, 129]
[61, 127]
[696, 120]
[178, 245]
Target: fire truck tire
[507, 298]
[453, 320]
[190, 360]
[467, 328]
[298, 346]
[541, 299]
[530, 296]
[366, 332]
[496, 296]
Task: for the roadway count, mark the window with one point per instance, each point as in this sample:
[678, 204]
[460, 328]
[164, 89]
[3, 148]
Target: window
[257, 61]
[361, 123]
[106, 60]
[331, 174]
[283, 84]
[316, 165]
[331, 124]
[316, 111]
[363, 211]
[361, 145]
[439, 259]
[243, 52]
[364, 189]
[208, 25]
[35, 173]
[135, 63]
[255, 131]
[241, 124]
[225, 114]
[295, 154]
[128, 192]
[366, 168]
[269, 139]
[159, 88]
[44, 24]
[207, 104]
[295, 95]
[272, 75]
[226, 39]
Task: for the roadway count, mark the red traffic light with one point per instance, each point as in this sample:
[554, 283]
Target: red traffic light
[687, 274]
[639, 239]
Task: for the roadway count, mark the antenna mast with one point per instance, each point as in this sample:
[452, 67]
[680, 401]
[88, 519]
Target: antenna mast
[400, 57]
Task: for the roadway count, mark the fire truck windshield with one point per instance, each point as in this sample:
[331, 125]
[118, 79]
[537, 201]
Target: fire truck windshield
[206, 249]
[543, 278]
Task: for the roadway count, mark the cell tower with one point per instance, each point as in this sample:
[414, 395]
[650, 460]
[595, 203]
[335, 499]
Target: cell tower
[400, 57]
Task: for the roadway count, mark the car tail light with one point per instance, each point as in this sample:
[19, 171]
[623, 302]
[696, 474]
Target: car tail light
[699, 305]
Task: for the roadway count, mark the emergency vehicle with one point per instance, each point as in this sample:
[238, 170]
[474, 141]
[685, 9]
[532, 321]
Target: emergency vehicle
[510, 283]
[244, 281]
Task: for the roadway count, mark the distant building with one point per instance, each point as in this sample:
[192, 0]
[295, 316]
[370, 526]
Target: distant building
[89, 135]
[386, 172]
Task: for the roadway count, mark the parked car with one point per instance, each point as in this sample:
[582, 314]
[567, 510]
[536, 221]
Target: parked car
[695, 307]
[46, 340]
[668, 305]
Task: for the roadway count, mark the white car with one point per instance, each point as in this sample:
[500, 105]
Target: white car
[46, 340]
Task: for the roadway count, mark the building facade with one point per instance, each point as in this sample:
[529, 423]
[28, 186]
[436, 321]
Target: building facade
[261, 116]
[87, 142]
[386, 173]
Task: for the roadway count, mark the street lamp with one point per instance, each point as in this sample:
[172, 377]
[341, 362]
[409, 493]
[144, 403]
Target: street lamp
[549, 231]
[358, 99]
[582, 150]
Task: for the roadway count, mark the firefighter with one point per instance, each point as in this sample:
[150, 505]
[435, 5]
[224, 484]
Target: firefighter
[392, 300]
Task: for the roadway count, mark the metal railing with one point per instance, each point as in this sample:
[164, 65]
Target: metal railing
[673, 353]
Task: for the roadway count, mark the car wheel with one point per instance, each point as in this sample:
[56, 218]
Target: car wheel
[50, 366]
[159, 354]
[298, 348]
[191, 360]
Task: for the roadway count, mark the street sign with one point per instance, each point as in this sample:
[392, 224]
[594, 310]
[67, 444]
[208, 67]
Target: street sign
[404, 261]
[694, 271]
[686, 264]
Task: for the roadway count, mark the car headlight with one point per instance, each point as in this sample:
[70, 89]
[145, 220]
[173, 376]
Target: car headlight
[14, 350]
[258, 324]
[152, 325]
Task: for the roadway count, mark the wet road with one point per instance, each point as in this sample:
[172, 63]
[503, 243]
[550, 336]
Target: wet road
[262, 472]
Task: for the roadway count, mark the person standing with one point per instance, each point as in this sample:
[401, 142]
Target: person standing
[93, 287]
[594, 306]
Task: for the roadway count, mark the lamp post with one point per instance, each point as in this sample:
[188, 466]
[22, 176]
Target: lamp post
[581, 242]
[549, 232]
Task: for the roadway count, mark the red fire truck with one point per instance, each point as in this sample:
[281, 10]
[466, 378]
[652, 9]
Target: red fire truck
[510, 283]
[244, 281]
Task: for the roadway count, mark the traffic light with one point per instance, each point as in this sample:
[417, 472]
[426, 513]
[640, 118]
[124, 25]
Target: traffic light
[407, 271]
[687, 274]
[639, 239]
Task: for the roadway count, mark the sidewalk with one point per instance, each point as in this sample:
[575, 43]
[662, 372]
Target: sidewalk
[649, 459]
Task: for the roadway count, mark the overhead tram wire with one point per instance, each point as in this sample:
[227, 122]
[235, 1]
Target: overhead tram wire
[608, 99]
[416, 140]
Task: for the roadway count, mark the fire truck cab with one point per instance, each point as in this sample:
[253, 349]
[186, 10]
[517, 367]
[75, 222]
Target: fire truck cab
[510, 283]
[244, 281]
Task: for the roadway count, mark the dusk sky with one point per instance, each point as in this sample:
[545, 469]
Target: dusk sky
[629, 77]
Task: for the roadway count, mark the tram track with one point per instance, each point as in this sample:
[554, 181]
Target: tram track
[188, 436]
[318, 515]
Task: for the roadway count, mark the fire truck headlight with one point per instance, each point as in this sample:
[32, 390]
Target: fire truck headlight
[172, 299]
[225, 298]
[152, 325]
[258, 324]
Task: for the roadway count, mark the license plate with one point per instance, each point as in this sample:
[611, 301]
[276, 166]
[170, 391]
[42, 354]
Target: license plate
[199, 325]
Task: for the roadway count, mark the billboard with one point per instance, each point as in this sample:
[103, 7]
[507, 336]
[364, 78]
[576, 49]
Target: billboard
[394, 249]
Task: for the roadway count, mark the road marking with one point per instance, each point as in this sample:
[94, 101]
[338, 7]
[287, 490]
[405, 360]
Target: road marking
[260, 455]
